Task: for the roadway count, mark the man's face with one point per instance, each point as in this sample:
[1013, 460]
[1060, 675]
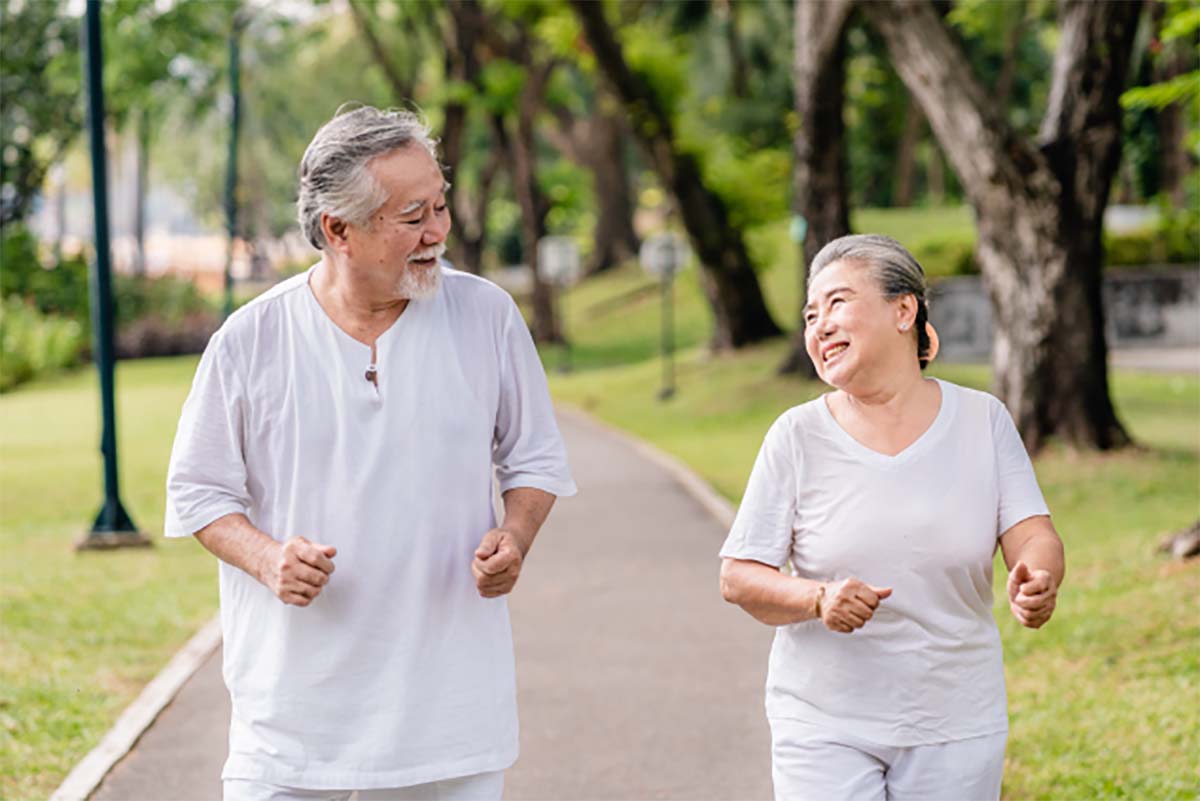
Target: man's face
[399, 247]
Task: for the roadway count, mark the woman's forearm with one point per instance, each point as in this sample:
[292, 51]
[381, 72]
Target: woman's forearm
[1035, 542]
[766, 594]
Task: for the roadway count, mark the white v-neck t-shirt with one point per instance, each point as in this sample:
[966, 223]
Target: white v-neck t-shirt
[399, 673]
[928, 667]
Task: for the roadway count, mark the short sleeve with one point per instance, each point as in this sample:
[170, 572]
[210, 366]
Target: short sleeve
[528, 449]
[1020, 496]
[206, 479]
[762, 529]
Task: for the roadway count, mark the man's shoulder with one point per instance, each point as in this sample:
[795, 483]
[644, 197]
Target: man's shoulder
[474, 291]
[248, 317]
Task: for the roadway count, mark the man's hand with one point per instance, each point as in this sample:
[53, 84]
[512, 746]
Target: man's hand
[1032, 595]
[848, 605]
[297, 570]
[497, 563]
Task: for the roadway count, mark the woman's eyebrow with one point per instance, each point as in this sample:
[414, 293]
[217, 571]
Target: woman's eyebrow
[812, 302]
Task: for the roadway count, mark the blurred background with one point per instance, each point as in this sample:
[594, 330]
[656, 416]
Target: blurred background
[1039, 159]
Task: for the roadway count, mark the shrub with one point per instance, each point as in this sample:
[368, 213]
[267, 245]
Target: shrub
[32, 343]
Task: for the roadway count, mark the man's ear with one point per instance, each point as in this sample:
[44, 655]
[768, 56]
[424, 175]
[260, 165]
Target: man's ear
[336, 231]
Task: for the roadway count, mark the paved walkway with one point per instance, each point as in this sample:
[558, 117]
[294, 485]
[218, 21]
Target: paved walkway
[635, 680]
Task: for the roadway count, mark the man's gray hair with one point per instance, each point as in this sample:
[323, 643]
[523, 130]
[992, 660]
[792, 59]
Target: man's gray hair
[894, 269]
[334, 174]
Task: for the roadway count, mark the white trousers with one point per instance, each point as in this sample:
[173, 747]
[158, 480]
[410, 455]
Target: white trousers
[477, 787]
[809, 763]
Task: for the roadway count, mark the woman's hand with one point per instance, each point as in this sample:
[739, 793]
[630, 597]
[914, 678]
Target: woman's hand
[1032, 595]
[849, 604]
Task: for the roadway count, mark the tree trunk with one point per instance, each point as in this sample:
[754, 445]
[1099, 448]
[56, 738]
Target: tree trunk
[819, 179]
[740, 313]
[544, 327]
[1039, 207]
[597, 142]
[465, 20]
[906, 154]
[402, 87]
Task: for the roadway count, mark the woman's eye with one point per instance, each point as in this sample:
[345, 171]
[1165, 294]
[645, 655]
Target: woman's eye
[836, 301]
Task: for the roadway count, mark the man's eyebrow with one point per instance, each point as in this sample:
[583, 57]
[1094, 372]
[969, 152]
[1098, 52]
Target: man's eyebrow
[416, 204]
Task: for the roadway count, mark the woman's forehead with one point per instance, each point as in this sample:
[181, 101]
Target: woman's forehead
[839, 274]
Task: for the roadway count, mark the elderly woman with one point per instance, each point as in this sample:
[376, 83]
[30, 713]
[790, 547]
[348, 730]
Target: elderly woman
[888, 497]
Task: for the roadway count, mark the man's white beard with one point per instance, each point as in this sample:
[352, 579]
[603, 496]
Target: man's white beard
[419, 283]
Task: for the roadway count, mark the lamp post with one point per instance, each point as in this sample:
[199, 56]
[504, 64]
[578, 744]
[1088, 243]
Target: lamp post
[113, 527]
[558, 262]
[661, 256]
[231, 166]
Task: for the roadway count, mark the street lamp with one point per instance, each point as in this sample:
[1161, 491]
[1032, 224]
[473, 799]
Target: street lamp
[661, 256]
[113, 527]
[558, 263]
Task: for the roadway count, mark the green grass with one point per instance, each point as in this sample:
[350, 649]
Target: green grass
[1105, 701]
[83, 632]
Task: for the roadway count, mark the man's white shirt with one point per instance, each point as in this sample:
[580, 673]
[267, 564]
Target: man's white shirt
[398, 673]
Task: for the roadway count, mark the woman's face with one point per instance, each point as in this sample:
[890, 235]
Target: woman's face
[853, 335]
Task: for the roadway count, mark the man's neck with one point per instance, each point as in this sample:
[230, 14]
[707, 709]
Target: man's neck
[358, 310]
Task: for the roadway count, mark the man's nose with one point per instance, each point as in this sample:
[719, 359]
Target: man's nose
[437, 230]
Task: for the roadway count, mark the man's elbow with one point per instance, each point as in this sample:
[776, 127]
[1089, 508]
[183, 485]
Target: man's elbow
[731, 588]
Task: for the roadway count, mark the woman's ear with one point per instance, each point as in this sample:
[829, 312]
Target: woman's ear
[906, 312]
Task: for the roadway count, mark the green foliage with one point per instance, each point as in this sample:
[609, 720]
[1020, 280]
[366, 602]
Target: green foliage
[63, 289]
[40, 85]
[32, 343]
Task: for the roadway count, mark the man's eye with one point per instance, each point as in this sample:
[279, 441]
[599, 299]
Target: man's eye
[440, 209]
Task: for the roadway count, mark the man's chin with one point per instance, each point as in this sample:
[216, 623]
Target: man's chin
[420, 283]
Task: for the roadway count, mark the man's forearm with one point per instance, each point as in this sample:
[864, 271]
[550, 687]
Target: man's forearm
[234, 540]
[525, 510]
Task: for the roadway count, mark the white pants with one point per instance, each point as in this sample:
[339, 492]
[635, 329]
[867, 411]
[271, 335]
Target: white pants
[477, 787]
[808, 762]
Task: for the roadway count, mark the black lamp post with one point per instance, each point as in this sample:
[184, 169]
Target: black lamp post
[113, 527]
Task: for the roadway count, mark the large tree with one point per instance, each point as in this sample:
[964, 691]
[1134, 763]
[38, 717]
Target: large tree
[819, 182]
[1039, 205]
[740, 312]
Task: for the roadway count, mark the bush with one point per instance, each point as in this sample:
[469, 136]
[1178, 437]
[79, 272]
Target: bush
[154, 335]
[944, 255]
[32, 343]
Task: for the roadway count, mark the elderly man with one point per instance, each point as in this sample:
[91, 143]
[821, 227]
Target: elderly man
[336, 453]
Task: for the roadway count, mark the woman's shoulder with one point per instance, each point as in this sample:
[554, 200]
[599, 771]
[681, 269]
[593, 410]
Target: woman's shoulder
[974, 404]
[799, 419]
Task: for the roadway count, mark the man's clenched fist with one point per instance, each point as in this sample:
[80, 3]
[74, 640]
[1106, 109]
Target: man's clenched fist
[296, 570]
[497, 563]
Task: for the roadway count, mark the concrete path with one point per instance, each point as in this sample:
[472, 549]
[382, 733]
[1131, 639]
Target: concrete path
[635, 680]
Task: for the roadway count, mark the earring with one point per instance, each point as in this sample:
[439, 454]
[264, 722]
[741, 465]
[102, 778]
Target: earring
[904, 326]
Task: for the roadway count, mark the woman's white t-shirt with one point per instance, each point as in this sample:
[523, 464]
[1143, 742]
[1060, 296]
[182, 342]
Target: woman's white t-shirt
[928, 666]
[399, 673]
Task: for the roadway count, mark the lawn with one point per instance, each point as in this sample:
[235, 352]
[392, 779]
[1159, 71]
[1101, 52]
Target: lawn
[1105, 702]
[84, 632]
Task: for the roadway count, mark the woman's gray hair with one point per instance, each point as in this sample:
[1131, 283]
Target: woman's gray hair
[896, 271]
[334, 174]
